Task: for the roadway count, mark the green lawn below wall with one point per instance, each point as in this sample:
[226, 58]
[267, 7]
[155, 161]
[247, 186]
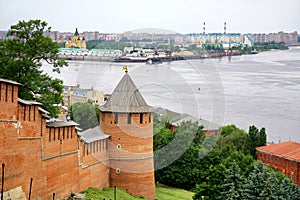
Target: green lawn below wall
[162, 193]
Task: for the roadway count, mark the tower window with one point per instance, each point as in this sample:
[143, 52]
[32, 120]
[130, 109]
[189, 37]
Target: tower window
[129, 118]
[149, 117]
[116, 118]
[141, 118]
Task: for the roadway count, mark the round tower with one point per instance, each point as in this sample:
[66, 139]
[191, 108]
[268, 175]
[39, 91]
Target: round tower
[128, 120]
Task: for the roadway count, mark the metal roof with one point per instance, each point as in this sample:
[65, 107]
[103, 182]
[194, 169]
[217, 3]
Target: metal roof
[176, 119]
[92, 135]
[57, 124]
[29, 102]
[126, 98]
[9, 81]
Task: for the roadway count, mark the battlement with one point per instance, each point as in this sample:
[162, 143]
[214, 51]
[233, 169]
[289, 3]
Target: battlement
[61, 160]
[52, 153]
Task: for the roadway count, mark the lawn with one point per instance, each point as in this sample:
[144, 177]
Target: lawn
[162, 193]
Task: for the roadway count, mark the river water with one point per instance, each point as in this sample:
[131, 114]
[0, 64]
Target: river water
[261, 90]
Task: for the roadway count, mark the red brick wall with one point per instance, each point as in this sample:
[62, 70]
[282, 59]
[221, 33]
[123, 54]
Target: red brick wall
[131, 151]
[8, 101]
[60, 163]
[28, 149]
[22, 160]
[289, 168]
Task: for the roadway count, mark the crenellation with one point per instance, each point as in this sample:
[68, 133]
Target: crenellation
[60, 160]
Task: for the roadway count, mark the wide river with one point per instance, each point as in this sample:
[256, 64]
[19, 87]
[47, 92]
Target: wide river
[261, 90]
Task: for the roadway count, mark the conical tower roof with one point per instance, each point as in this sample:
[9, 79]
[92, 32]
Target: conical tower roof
[76, 33]
[126, 98]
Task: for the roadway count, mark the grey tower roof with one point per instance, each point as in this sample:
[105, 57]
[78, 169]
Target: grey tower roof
[126, 98]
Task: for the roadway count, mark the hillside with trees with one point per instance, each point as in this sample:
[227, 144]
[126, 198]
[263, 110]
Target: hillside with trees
[220, 166]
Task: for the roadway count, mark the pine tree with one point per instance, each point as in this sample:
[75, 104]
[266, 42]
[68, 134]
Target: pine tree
[259, 184]
[286, 190]
[232, 186]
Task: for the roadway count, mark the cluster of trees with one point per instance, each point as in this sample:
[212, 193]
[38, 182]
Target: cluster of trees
[270, 45]
[219, 166]
[263, 47]
[21, 58]
[261, 183]
[85, 114]
[99, 44]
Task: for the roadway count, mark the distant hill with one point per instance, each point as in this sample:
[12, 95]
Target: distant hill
[152, 31]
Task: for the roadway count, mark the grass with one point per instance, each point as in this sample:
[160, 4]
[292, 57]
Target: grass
[165, 193]
[162, 193]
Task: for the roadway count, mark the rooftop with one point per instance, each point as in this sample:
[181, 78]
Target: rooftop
[126, 98]
[29, 102]
[9, 81]
[289, 150]
[57, 124]
[176, 119]
[92, 135]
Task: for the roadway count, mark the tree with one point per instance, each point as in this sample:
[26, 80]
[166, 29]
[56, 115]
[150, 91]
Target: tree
[85, 114]
[287, 190]
[21, 58]
[259, 184]
[232, 186]
[182, 150]
[231, 139]
[244, 162]
[255, 138]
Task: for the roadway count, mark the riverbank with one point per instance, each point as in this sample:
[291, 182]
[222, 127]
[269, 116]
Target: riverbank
[163, 59]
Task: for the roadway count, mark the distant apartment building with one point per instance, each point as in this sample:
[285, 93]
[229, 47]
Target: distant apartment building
[110, 37]
[284, 157]
[218, 38]
[260, 38]
[74, 94]
[94, 35]
[287, 38]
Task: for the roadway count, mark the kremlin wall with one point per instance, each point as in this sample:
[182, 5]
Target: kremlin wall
[60, 160]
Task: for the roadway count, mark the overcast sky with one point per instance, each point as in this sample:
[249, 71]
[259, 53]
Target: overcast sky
[183, 16]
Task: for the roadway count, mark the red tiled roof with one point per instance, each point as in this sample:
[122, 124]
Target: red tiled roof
[285, 149]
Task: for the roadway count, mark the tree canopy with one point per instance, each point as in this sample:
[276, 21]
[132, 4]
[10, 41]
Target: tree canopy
[86, 114]
[219, 166]
[22, 55]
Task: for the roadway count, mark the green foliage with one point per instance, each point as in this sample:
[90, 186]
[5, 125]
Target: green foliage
[173, 175]
[231, 139]
[244, 162]
[21, 58]
[255, 138]
[232, 186]
[86, 114]
[262, 184]
[221, 167]
[269, 45]
[287, 190]
[98, 44]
